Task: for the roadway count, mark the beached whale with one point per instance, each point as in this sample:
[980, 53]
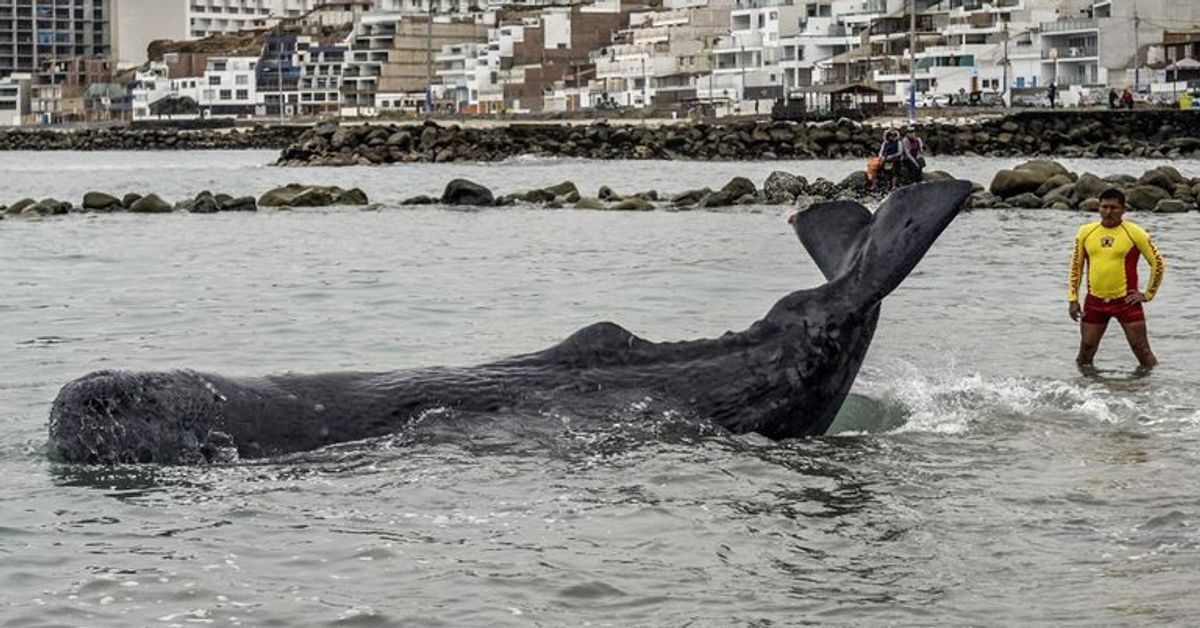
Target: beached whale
[785, 376]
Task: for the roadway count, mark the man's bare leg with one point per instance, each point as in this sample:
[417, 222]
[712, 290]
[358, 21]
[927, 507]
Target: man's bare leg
[1089, 341]
[1139, 342]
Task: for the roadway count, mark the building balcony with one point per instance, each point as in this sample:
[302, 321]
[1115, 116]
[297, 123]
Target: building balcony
[1071, 53]
[1074, 25]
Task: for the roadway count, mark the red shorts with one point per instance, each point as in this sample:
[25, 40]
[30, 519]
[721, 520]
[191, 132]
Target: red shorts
[1097, 311]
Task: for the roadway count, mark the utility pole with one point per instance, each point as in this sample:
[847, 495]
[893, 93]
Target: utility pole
[912, 64]
[279, 65]
[742, 62]
[1137, 66]
[429, 62]
[1004, 93]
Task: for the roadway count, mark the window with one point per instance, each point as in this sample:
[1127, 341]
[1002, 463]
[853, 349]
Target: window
[242, 79]
[214, 80]
[243, 94]
[219, 66]
[226, 94]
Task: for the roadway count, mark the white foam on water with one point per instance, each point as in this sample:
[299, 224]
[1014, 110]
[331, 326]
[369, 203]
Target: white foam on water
[949, 401]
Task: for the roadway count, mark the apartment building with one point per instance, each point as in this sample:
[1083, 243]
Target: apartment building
[211, 17]
[33, 32]
[14, 99]
[300, 75]
[392, 57]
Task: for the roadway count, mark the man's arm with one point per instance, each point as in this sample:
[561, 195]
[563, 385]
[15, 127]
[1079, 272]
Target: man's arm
[1154, 258]
[1074, 276]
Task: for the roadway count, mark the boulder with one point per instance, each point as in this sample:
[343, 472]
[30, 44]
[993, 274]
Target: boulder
[562, 189]
[128, 200]
[1053, 183]
[420, 199]
[239, 204]
[1088, 186]
[314, 197]
[606, 194]
[296, 195]
[1171, 206]
[464, 192]
[1009, 183]
[1027, 200]
[533, 196]
[54, 207]
[99, 201]
[1044, 168]
[280, 197]
[150, 204]
[1062, 194]
[738, 187]
[1145, 197]
[783, 186]
[20, 206]
[589, 203]
[691, 197]
[1158, 178]
[1089, 205]
[204, 203]
[634, 203]
[353, 196]
[855, 182]
[735, 190]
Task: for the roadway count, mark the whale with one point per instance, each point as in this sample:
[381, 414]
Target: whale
[785, 376]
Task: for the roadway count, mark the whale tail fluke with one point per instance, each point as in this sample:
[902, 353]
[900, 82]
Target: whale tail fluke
[876, 252]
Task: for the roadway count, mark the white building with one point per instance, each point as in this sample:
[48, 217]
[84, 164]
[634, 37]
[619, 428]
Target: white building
[14, 99]
[226, 89]
[210, 17]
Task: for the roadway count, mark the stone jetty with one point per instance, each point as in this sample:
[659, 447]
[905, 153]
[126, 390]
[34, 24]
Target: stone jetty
[285, 197]
[126, 138]
[1088, 134]
[1037, 184]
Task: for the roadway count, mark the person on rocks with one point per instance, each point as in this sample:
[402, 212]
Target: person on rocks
[1110, 248]
[1127, 99]
[1113, 98]
[1052, 92]
[913, 149]
[890, 154]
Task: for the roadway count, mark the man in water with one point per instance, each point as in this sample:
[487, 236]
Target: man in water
[1110, 248]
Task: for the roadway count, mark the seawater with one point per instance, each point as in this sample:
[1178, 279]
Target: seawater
[976, 478]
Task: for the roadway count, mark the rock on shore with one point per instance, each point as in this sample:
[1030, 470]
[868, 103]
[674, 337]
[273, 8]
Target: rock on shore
[1047, 184]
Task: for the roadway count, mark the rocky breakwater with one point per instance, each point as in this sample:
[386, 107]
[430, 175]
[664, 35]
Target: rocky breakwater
[1076, 134]
[124, 138]
[1045, 184]
[780, 188]
[288, 196]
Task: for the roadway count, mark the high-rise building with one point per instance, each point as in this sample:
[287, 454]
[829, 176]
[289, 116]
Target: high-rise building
[33, 32]
[136, 23]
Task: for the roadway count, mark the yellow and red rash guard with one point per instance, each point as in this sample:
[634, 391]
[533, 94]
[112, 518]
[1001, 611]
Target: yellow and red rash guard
[1112, 259]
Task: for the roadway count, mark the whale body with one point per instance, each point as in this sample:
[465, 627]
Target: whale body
[785, 376]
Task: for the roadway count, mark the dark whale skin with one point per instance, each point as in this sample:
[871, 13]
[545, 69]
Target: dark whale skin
[785, 376]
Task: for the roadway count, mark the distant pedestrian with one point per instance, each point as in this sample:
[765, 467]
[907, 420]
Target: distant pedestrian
[1113, 98]
[1052, 91]
[1127, 99]
[1185, 101]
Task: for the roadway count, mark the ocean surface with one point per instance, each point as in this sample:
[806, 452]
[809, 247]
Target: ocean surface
[975, 477]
